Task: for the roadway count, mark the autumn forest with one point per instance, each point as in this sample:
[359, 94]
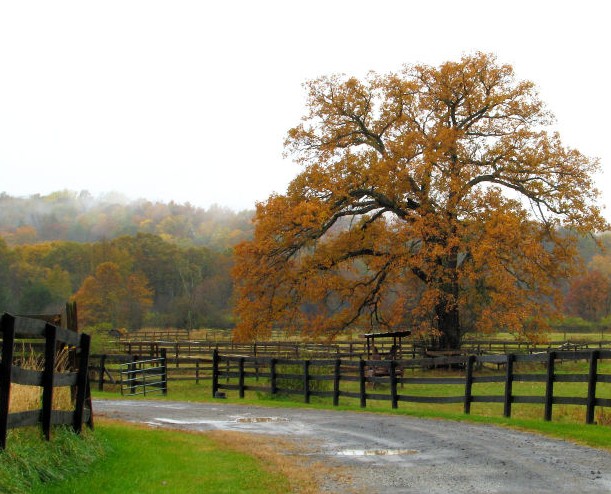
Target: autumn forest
[128, 264]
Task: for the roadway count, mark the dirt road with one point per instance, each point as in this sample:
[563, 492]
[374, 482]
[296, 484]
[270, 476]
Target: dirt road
[396, 454]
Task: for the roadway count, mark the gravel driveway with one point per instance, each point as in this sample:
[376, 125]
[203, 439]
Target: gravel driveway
[397, 454]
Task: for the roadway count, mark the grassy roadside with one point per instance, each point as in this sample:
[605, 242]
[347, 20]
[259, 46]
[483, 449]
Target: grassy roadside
[122, 458]
[29, 462]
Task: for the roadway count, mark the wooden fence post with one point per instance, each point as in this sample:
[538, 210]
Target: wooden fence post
[101, 370]
[7, 326]
[393, 384]
[241, 377]
[469, 384]
[47, 379]
[272, 376]
[306, 381]
[215, 372]
[363, 389]
[592, 377]
[508, 385]
[336, 379]
[549, 387]
[81, 383]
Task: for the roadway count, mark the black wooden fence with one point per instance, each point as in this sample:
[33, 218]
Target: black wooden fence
[290, 376]
[31, 332]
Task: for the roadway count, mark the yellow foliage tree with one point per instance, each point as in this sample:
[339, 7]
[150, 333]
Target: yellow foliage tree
[109, 297]
[430, 198]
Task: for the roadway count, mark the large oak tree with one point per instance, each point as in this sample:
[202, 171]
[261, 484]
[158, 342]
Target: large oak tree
[430, 199]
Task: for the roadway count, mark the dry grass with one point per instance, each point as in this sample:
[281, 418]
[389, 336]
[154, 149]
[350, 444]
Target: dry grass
[25, 398]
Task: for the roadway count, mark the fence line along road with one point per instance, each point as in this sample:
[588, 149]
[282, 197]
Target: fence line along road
[302, 377]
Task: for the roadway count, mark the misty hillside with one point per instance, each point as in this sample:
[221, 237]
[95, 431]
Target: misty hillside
[80, 217]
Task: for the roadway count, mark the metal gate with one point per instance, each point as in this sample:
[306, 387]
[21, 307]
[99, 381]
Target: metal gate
[140, 377]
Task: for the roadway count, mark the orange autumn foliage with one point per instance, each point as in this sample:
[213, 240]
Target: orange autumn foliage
[430, 199]
[109, 296]
[589, 296]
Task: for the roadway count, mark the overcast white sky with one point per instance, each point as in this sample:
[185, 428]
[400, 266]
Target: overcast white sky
[190, 100]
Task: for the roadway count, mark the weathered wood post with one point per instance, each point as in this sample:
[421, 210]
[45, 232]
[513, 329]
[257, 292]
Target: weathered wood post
[48, 379]
[215, 372]
[336, 380]
[7, 327]
[306, 381]
[393, 383]
[592, 378]
[508, 385]
[241, 377]
[362, 383]
[81, 383]
[469, 384]
[272, 376]
[549, 387]
[102, 371]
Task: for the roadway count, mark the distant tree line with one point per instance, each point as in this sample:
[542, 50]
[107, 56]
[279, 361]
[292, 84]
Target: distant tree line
[128, 264]
[127, 282]
[79, 217]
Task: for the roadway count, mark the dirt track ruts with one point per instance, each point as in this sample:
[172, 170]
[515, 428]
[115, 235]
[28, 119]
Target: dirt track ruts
[397, 454]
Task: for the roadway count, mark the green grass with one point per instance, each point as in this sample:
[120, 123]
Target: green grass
[142, 461]
[30, 462]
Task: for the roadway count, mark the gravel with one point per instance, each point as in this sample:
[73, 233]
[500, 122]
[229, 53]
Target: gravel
[397, 454]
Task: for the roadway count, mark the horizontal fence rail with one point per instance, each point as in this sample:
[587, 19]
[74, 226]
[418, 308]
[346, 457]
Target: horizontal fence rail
[363, 379]
[48, 339]
[346, 350]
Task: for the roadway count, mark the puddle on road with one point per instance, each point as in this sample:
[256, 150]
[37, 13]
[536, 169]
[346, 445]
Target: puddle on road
[256, 420]
[376, 452]
[239, 420]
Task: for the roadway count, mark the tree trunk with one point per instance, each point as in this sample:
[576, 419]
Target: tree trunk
[448, 324]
